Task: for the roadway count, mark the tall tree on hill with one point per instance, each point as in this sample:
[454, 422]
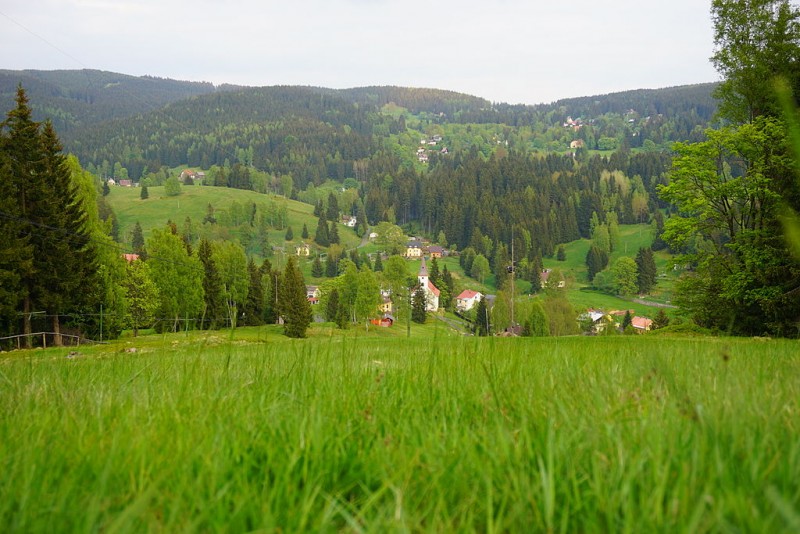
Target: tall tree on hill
[66, 259]
[253, 309]
[756, 41]
[418, 306]
[322, 238]
[141, 294]
[333, 233]
[483, 324]
[47, 204]
[596, 261]
[294, 305]
[213, 301]
[332, 213]
[647, 273]
[137, 239]
[178, 276]
[23, 148]
[15, 248]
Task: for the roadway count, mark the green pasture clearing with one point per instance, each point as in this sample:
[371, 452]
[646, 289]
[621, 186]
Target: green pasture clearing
[193, 202]
[355, 432]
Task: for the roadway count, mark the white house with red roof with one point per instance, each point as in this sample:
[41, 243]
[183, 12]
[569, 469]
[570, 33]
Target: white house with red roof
[467, 299]
[431, 291]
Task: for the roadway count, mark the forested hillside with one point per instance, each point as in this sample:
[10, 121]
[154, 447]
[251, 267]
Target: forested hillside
[74, 99]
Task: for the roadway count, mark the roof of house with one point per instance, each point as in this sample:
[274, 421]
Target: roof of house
[130, 257]
[468, 294]
[414, 244]
[641, 322]
[435, 249]
[433, 288]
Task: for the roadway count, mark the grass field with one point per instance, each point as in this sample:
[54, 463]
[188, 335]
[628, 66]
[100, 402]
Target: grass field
[193, 202]
[364, 433]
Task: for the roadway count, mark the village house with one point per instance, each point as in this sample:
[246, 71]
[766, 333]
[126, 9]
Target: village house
[302, 250]
[386, 321]
[641, 324]
[468, 299]
[130, 258]
[435, 251]
[430, 290]
[195, 176]
[349, 221]
[414, 249]
[546, 282]
[313, 294]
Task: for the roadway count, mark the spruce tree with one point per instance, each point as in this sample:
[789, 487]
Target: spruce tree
[15, 249]
[253, 309]
[144, 194]
[65, 258]
[333, 233]
[289, 234]
[332, 213]
[647, 272]
[214, 306]
[418, 306]
[23, 147]
[321, 238]
[137, 239]
[378, 267]
[483, 325]
[331, 266]
[294, 305]
[304, 234]
[317, 270]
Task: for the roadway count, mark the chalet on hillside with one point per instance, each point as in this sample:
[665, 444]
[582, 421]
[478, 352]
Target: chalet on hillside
[302, 250]
[435, 251]
[467, 299]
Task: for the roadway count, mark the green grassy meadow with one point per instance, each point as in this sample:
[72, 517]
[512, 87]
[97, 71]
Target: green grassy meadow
[193, 202]
[354, 432]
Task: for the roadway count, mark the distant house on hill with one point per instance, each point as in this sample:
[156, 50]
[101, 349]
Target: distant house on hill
[435, 251]
[130, 258]
[414, 249]
[546, 282]
[641, 324]
[467, 299]
[302, 250]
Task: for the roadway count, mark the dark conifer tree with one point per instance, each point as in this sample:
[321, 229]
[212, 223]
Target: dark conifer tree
[483, 325]
[293, 302]
[144, 194]
[214, 302]
[418, 306]
[137, 239]
[331, 266]
[23, 147]
[15, 249]
[304, 234]
[378, 267]
[65, 258]
[321, 238]
[317, 270]
[647, 273]
[333, 233]
[253, 309]
[332, 212]
[561, 254]
[289, 234]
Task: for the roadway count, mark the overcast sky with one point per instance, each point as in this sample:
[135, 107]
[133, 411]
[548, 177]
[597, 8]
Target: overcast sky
[515, 51]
